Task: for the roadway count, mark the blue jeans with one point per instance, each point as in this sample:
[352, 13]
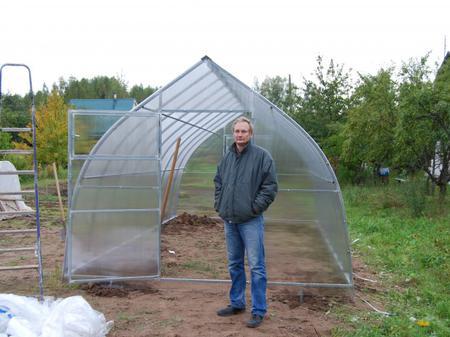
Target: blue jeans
[247, 236]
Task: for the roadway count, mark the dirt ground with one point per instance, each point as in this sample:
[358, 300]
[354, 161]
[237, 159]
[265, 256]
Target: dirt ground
[166, 308]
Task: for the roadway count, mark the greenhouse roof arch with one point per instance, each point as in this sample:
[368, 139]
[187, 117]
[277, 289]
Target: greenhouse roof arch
[138, 152]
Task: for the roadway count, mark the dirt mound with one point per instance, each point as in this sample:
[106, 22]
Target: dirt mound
[116, 290]
[190, 222]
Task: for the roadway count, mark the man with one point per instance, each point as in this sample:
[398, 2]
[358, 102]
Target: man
[245, 186]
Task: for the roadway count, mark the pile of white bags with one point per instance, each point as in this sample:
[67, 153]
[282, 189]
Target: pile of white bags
[22, 316]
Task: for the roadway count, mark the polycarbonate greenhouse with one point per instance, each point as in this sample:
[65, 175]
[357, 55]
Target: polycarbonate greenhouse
[159, 160]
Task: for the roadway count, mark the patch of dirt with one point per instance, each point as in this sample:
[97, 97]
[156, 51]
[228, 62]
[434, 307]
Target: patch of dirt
[189, 244]
[117, 289]
[189, 222]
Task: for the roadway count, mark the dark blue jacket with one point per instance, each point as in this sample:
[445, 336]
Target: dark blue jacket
[245, 183]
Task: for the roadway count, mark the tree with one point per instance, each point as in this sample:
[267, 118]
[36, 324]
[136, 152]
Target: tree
[423, 134]
[139, 92]
[51, 131]
[369, 131]
[279, 91]
[97, 87]
[323, 108]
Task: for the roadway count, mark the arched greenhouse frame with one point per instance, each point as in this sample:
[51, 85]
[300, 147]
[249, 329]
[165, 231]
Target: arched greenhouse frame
[129, 173]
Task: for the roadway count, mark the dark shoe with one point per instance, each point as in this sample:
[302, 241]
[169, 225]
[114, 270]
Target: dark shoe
[229, 311]
[255, 321]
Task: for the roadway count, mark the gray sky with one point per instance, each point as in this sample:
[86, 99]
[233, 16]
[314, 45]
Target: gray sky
[152, 42]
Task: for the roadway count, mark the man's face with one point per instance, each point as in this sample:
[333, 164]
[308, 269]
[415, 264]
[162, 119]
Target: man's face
[242, 133]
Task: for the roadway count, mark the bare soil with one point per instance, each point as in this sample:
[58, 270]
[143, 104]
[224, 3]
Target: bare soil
[164, 308]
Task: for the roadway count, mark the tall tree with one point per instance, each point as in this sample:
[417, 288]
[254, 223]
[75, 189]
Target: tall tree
[423, 134]
[324, 105]
[51, 131]
[369, 131]
[139, 92]
[280, 92]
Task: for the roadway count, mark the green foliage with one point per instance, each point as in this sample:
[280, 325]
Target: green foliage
[423, 132]
[139, 92]
[368, 132]
[15, 112]
[280, 92]
[325, 101]
[51, 132]
[97, 87]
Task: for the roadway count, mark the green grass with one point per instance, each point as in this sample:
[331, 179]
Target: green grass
[410, 252]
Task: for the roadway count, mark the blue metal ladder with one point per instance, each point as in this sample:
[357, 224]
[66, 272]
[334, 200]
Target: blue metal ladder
[37, 229]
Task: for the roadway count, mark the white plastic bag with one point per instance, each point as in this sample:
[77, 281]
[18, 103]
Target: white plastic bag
[28, 309]
[74, 317]
[71, 317]
[20, 327]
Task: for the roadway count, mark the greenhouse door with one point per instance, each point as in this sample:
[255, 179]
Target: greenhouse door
[114, 196]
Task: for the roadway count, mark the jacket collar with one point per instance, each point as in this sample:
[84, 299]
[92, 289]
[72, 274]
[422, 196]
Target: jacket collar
[233, 148]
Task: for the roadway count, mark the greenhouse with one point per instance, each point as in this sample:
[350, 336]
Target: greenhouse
[159, 160]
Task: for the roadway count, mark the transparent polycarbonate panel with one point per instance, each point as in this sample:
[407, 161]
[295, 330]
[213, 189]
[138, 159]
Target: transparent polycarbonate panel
[120, 173]
[189, 80]
[75, 167]
[334, 229]
[116, 197]
[297, 252]
[88, 129]
[298, 243]
[132, 135]
[114, 244]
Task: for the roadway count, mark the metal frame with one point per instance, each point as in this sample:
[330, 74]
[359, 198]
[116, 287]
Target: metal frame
[224, 104]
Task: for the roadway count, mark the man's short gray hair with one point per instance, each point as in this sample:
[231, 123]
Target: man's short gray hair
[245, 120]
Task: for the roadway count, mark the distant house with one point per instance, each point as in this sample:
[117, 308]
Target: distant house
[99, 124]
[436, 164]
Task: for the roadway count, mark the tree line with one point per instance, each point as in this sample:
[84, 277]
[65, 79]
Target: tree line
[51, 115]
[397, 118]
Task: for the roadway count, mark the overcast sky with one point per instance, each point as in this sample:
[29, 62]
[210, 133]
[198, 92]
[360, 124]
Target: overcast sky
[151, 42]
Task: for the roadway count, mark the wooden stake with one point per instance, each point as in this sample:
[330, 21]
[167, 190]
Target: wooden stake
[169, 181]
[61, 208]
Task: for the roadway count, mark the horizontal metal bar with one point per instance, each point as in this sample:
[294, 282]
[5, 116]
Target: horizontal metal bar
[32, 266]
[111, 278]
[111, 157]
[22, 249]
[274, 283]
[17, 192]
[17, 231]
[15, 129]
[118, 187]
[111, 113]
[19, 172]
[18, 213]
[305, 190]
[203, 111]
[16, 151]
[122, 210]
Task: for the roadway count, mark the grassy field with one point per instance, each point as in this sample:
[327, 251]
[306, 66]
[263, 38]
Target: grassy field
[404, 235]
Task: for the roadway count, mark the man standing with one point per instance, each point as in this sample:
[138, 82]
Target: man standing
[245, 186]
